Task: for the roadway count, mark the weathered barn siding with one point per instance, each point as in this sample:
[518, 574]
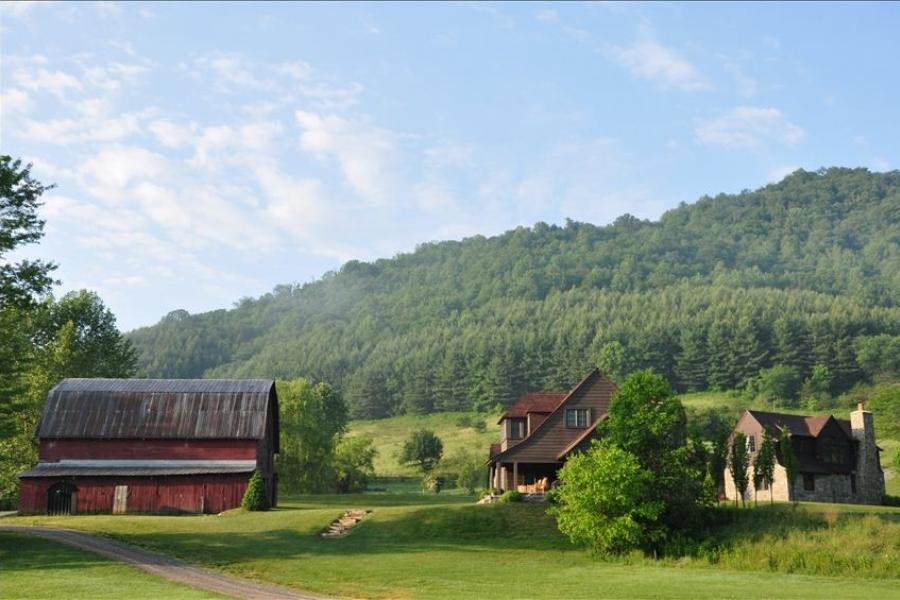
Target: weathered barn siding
[164, 495]
[552, 436]
[205, 436]
[51, 450]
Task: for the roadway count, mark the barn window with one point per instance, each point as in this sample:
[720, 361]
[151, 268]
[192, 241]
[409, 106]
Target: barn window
[61, 499]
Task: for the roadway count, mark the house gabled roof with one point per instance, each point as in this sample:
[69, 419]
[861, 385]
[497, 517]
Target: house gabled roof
[798, 424]
[559, 405]
[535, 402]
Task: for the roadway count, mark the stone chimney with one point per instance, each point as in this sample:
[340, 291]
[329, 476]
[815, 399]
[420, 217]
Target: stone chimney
[869, 476]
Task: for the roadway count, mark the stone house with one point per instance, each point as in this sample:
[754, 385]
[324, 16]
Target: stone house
[837, 459]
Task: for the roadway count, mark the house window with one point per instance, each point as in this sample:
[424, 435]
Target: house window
[809, 482]
[763, 485]
[751, 443]
[852, 483]
[516, 429]
[577, 418]
[834, 451]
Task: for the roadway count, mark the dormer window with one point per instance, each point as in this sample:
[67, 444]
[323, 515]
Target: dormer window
[516, 429]
[576, 418]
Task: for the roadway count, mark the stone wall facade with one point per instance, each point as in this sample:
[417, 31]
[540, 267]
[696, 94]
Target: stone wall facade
[870, 477]
[834, 487]
[867, 475]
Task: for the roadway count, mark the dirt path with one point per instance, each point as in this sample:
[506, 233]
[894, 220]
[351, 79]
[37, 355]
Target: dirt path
[165, 567]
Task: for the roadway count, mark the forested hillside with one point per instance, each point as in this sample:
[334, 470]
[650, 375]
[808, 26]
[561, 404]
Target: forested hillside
[802, 273]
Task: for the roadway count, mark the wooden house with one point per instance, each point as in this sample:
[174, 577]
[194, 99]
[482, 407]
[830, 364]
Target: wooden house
[541, 430]
[152, 446]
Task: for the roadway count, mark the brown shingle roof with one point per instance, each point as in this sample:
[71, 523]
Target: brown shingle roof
[536, 402]
[798, 424]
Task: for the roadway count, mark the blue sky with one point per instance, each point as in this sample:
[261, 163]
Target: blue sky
[207, 152]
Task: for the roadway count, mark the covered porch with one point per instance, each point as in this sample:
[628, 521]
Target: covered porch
[527, 478]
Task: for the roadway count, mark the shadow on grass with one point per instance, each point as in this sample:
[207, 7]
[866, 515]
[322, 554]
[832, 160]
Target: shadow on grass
[402, 530]
[23, 552]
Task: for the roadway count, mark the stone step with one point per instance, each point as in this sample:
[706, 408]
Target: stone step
[343, 524]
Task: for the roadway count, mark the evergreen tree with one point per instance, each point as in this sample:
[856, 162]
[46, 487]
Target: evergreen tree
[691, 363]
[788, 459]
[255, 496]
[764, 464]
[718, 349]
[738, 462]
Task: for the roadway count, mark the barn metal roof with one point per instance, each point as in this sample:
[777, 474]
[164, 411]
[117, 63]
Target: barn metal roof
[101, 468]
[158, 408]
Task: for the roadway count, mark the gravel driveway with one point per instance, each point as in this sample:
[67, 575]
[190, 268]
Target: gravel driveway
[165, 567]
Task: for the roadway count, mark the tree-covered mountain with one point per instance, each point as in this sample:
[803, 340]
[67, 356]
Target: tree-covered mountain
[798, 273]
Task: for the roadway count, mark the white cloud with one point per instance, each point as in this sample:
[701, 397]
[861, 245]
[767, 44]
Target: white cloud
[109, 172]
[748, 127]
[55, 82]
[172, 135]
[649, 59]
[80, 130]
[14, 101]
[363, 150]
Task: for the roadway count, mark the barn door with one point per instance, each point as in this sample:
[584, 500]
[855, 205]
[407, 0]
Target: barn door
[120, 500]
[61, 499]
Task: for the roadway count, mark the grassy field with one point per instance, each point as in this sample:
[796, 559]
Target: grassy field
[389, 435]
[426, 546]
[32, 567]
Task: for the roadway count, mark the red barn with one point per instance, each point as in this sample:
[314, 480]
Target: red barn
[152, 446]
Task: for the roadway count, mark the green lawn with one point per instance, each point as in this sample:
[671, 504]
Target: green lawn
[31, 567]
[389, 435]
[423, 546]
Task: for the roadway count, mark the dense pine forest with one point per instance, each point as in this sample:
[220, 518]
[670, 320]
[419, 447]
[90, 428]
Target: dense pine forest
[797, 281]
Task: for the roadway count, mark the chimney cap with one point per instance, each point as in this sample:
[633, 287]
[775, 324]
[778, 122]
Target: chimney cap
[860, 406]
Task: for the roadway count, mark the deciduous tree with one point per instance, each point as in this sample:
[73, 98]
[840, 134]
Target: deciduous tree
[423, 449]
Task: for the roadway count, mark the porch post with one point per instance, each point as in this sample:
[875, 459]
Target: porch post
[491, 476]
[503, 478]
[515, 476]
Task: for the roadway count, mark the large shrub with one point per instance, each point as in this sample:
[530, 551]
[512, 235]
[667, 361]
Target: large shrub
[606, 501]
[511, 496]
[255, 496]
